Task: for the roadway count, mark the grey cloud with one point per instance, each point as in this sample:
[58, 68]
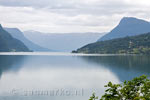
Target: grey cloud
[65, 4]
[35, 3]
[94, 14]
[75, 7]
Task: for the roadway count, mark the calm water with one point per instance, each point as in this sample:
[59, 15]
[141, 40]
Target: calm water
[65, 77]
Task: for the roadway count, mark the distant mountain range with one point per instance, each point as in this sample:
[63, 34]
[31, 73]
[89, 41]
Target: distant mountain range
[128, 37]
[128, 26]
[10, 44]
[139, 44]
[16, 33]
[66, 42]
[63, 42]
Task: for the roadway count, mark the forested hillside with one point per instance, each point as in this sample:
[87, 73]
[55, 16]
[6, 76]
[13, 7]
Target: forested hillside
[129, 45]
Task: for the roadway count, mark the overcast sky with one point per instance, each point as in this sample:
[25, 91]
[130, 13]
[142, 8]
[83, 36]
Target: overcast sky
[70, 15]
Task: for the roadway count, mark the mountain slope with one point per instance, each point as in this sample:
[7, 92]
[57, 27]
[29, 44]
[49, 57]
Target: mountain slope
[129, 45]
[64, 42]
[16, 33]
[10, 44]
[128, 26]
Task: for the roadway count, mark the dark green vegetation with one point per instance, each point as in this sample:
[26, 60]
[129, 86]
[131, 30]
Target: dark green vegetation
[10, 44]
[136, 89]
[129, 45]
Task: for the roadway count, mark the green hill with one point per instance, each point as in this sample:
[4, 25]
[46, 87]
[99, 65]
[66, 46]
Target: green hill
[129, 45]
[10, 44]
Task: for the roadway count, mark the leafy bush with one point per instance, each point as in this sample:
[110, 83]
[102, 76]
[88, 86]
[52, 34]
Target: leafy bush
[136, 89]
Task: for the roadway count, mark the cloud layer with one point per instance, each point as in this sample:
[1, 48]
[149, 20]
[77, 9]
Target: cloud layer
[70, 15]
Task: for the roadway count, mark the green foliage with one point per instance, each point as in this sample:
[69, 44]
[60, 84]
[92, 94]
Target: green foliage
[112, 92]
[93, 97]
[128, 45]
[136, 89]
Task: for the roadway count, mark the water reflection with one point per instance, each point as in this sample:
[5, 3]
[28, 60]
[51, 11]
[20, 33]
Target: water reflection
[10, 63]
[125, 67]
[69, 72]
[55, 72]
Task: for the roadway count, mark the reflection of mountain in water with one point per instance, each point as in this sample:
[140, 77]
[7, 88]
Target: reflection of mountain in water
[125, 67]
[10, 62]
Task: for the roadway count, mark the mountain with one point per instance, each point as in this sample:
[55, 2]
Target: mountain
[129, 45]
[16, 33]
[64, 42]
[128, 26]
[10, 44]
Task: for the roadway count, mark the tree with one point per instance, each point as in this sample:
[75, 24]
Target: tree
[136, 89]
[93, 97]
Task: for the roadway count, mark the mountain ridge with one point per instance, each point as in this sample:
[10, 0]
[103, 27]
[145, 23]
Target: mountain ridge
[139, 44]
[16, 33]
[63, 42]
[128, 26]
[10, 44]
